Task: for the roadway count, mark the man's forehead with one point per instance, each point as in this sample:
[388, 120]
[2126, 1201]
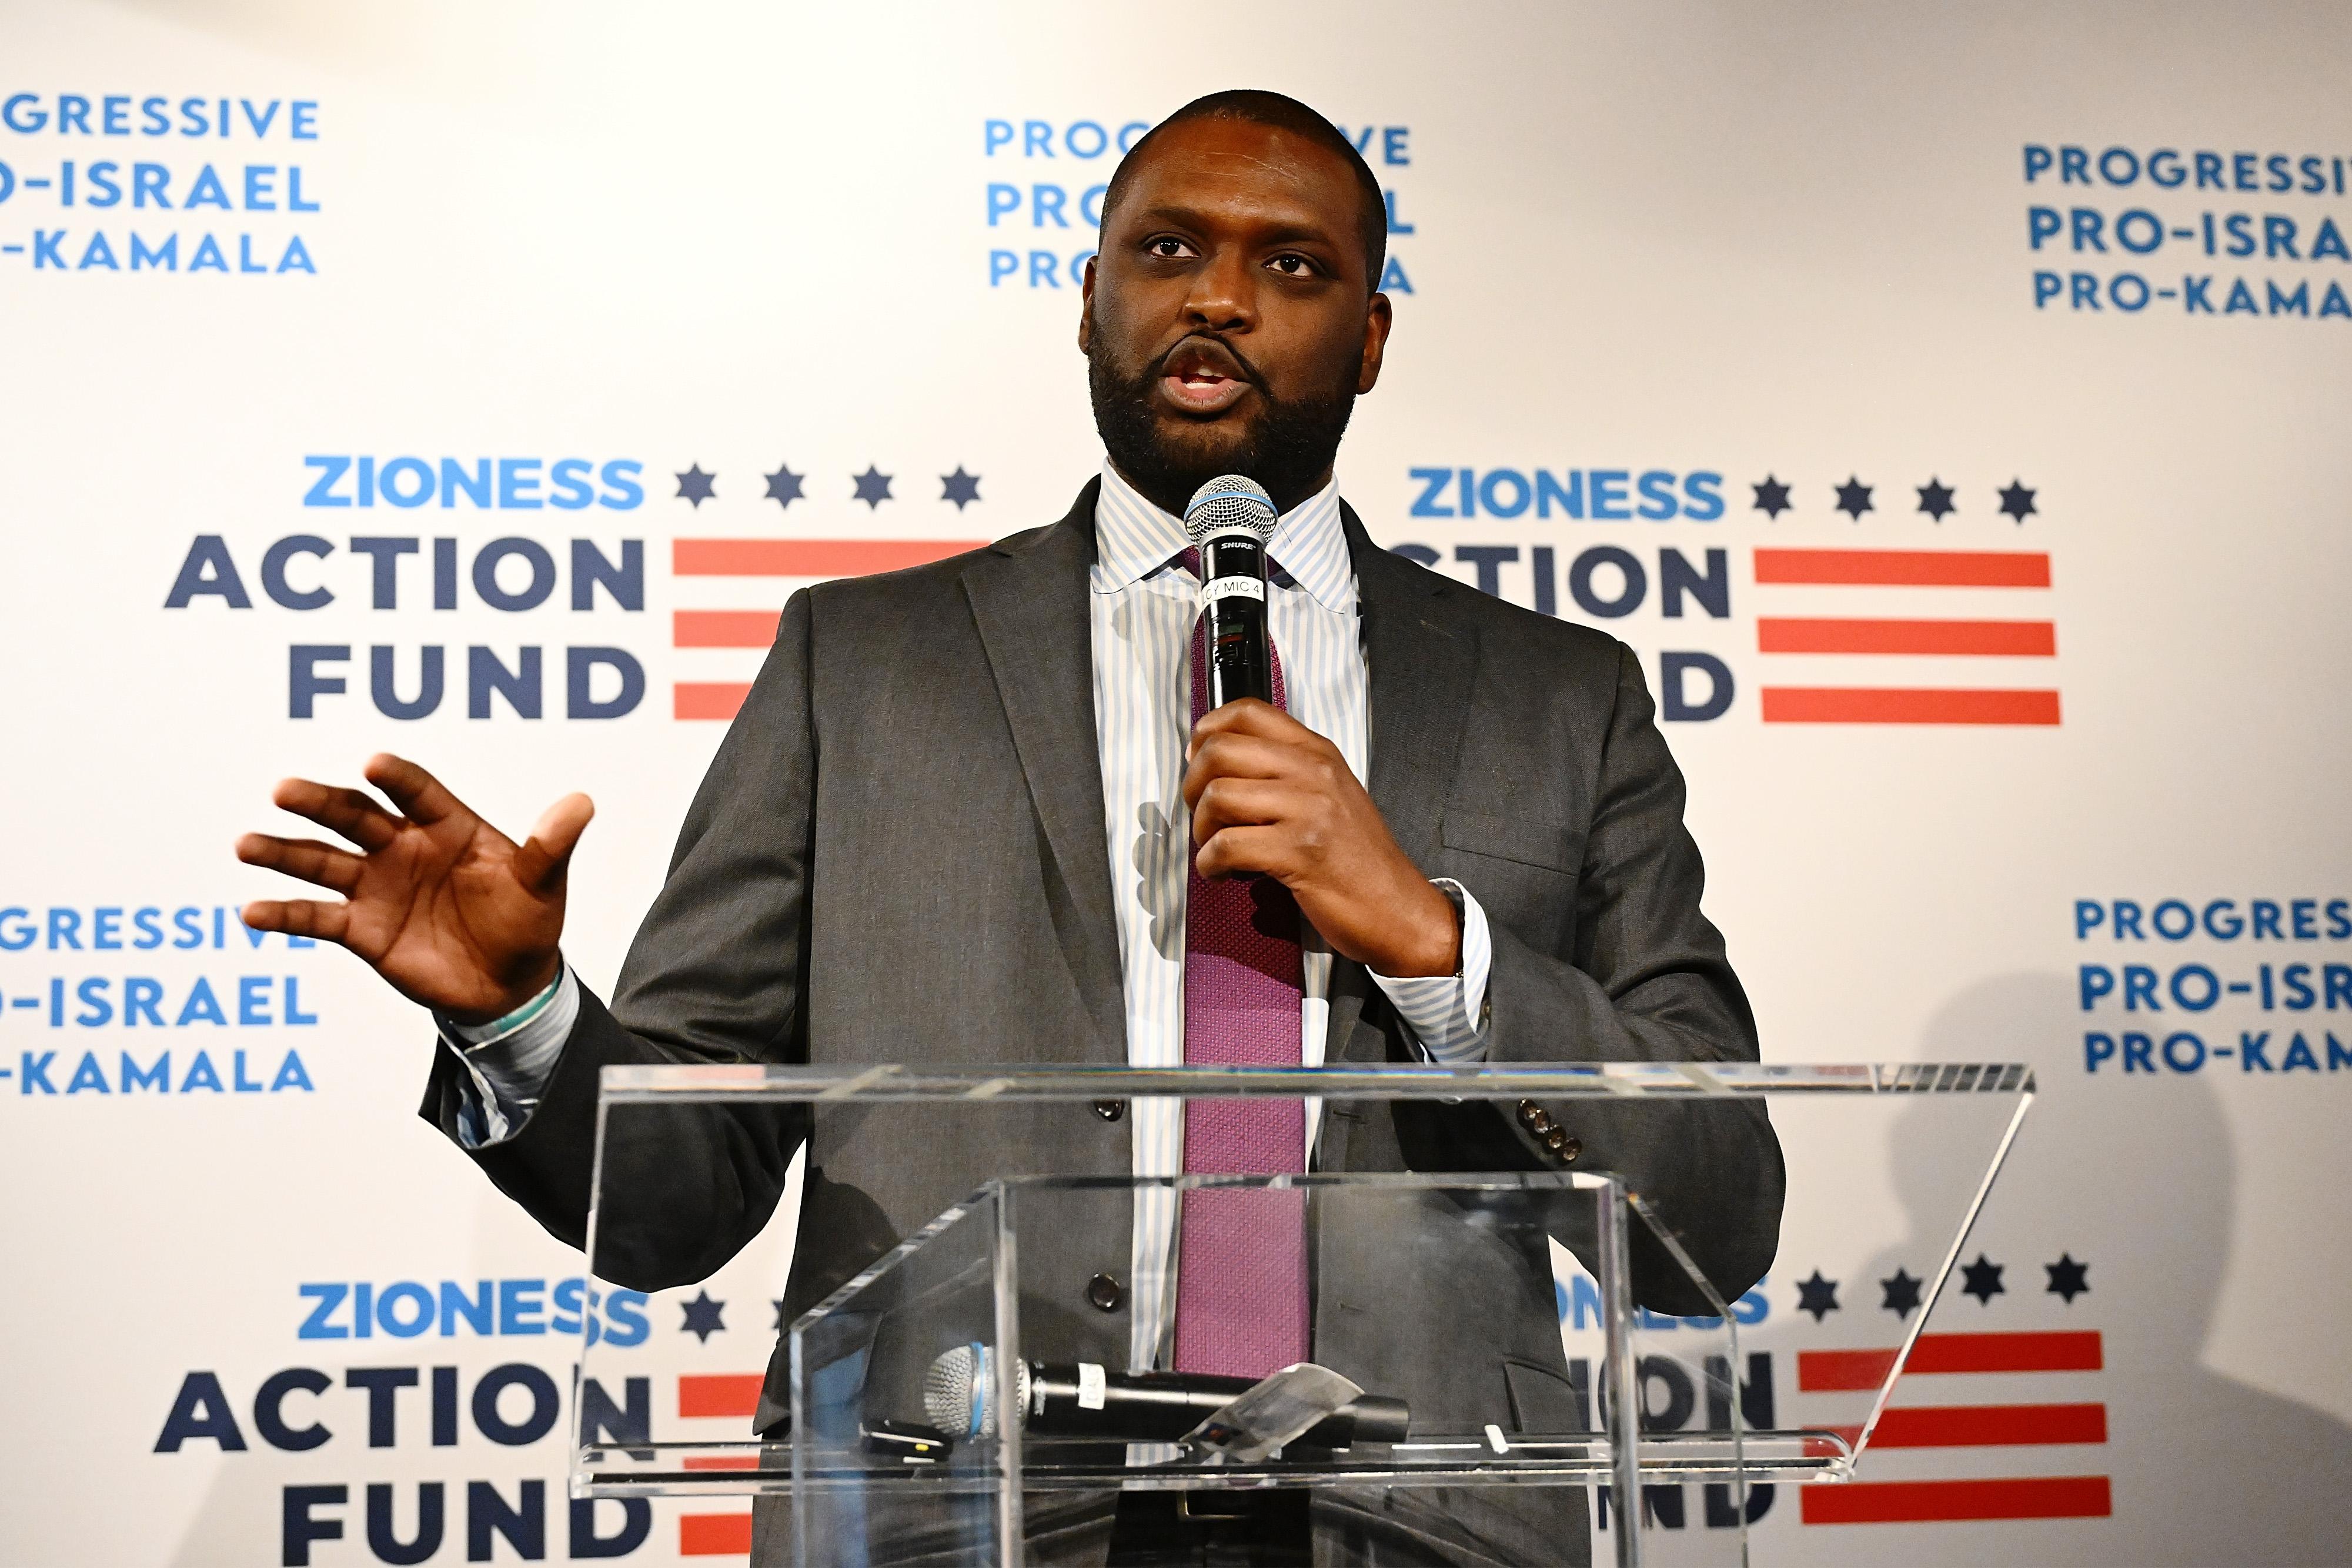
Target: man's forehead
[1234, 162]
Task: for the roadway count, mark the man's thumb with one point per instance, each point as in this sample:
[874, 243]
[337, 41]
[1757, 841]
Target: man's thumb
[540, 864]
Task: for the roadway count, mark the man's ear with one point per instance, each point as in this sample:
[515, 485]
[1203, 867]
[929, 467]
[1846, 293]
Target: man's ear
[1377, 322]
[1086, 307]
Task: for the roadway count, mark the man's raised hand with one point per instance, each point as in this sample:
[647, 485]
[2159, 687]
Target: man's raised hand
[454, 913]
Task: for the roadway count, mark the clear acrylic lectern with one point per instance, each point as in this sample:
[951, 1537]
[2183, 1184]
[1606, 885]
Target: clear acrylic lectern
[951, 1403]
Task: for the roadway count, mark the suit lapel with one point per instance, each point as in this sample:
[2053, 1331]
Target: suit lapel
[1421, 669]
[1029, 600]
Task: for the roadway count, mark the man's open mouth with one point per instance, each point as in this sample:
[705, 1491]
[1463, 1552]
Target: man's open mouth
[1202, 377]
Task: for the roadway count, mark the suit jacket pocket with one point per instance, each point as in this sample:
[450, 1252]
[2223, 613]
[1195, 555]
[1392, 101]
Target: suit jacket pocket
[1554, 846]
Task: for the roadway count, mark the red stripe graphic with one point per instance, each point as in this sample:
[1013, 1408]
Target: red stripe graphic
[722, 628]
[1985, 1426]
[1848, 1371]
[719, 1462]
[1907, 1502]
[719, 1393]
[709, 699]
[757, 628]
[1896, 705]
[1905, 567]
[714, 1535]
[807, 557]
[2023, 638]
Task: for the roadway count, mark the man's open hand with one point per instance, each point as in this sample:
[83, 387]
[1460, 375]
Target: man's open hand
[452, 912]
[1270, 795]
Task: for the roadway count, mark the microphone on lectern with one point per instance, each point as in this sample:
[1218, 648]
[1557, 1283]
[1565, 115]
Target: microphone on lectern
[1090, 1401]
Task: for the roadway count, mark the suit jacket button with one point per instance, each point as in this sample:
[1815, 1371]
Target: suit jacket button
[1110, 1110]
[1103, 1293]
[1570, 1149]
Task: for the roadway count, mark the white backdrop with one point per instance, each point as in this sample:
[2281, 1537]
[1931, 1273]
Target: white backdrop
[2084, 265]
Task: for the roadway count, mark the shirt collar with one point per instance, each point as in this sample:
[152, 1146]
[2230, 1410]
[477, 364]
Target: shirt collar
[1134, 538]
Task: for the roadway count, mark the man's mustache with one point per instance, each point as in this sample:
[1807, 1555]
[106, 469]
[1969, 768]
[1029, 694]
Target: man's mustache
[1199, 350]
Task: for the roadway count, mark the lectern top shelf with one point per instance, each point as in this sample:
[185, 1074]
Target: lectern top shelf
[1049, 1082]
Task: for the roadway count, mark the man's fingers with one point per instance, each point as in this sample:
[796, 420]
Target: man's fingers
[1234, 851]
[1243, 802]
[1242, 756]
[1247, 716]
[541, 861]
[351, 812]
[306, 858]
[299, 917]
[422, 797]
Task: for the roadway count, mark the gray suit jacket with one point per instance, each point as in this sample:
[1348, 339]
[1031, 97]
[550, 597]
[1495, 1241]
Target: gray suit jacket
[898, 855]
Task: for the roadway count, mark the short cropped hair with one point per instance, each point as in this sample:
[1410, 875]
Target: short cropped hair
[1273, 109]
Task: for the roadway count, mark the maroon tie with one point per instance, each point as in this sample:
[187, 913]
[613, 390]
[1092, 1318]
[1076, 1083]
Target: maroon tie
[1241, 1260]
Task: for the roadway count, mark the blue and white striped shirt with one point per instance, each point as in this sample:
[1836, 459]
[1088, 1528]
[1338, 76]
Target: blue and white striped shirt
[1142, 607]
[1143, 604]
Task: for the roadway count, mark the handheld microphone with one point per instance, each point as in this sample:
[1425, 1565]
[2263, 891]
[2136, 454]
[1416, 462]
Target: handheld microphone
[1085, 1401]
[1230, 520]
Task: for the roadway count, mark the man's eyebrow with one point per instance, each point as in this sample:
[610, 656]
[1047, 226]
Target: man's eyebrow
[1286, 231]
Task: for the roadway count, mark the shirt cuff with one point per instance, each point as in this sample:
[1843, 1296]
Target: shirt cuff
[1448, 1013]
[509, 1061]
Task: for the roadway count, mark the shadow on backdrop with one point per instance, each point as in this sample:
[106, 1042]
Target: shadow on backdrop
[2137, 1177]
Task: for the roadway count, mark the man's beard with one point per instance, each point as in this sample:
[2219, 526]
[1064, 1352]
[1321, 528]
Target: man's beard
[1286, 449]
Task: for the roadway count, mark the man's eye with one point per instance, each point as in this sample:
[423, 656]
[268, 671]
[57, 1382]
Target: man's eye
[1293, 265]
[1168, 247]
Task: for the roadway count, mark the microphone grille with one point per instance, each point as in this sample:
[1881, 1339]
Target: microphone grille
[1231, 501]
[948, 1389]
[959, 1391]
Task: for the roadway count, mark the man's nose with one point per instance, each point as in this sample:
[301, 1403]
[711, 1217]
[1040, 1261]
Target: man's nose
[1224, 298]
